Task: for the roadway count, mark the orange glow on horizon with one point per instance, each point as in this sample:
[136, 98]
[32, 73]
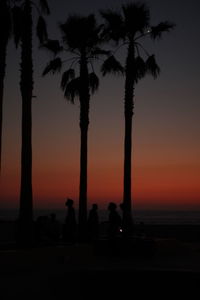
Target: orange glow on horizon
[160, 186]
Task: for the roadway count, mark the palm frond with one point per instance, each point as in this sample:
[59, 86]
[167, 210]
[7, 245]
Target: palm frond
[45, 7]
[96, 52]
[53, 46]
[17, 16]
[152, 66]
[93, 82]
[80, 32]
[72, 89]
[140, 68]
[70, 30]
[41, 30]
[114, 26]
[156, 31]
[53, 66]
[136, 17]
[112, 65]
[66, 77]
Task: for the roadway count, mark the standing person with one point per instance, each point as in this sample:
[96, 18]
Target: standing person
[114, 221]
[70, 226]
[126, 223]
[93, 223]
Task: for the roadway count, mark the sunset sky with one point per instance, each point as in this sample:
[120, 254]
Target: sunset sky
[166, 125]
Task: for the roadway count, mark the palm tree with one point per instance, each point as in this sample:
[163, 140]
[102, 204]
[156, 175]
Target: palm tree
[80, 37]
[23, 32]
[5, 31]
[130, 28]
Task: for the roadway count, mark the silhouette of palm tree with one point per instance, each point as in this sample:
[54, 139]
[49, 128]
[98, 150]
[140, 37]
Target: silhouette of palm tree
[129, 28]
[23, 32]
[81, 38]
[5, 32]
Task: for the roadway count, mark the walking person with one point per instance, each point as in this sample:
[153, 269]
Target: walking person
[93, 223]
[70, 226]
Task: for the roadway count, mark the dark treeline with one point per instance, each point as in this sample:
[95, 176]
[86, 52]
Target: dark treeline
[82, 42]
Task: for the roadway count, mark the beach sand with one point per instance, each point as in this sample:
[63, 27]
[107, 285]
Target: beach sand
[79, 271]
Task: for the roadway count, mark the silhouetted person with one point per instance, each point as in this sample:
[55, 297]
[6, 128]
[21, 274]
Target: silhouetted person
[93, 223]
[70, 226]
[127, 222]
[114, 221]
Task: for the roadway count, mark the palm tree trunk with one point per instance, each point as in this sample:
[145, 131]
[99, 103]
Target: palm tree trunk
[128, 112]
[5, 28]
[26, 85]
[84, 123]
[2, 75]
[83, 183]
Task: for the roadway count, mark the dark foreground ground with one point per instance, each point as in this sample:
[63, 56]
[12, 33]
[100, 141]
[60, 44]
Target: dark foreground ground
[164, 264]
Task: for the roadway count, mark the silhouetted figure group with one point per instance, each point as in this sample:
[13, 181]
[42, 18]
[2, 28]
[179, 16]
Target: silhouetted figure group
[49, 230]
[109, 240]
[70, 227]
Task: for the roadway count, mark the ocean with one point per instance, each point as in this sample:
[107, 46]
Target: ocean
[173, 217]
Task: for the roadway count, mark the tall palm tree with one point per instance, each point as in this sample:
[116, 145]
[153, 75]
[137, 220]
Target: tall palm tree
[23, 32]
[129, 28]
[5, 31]
[80, 38]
